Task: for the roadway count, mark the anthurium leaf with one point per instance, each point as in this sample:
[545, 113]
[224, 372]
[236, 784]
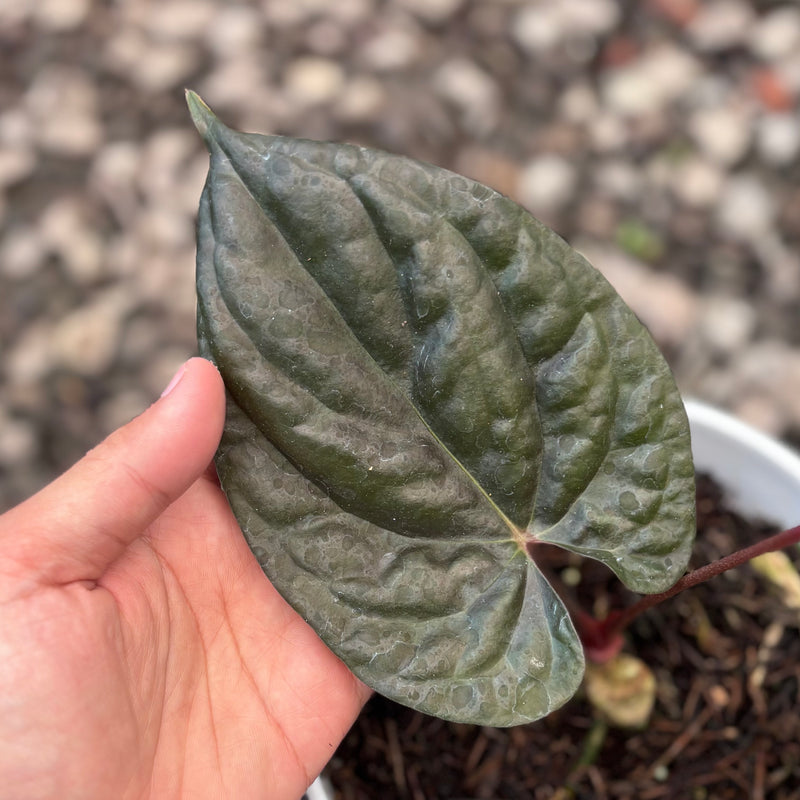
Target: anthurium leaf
[424, 383]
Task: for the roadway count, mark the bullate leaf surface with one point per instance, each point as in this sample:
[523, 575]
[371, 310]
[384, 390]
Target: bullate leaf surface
[424, 383]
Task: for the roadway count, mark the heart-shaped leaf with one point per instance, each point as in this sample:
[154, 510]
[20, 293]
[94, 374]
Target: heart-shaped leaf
[423, 383]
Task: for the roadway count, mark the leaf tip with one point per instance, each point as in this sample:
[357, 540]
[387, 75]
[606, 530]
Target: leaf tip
[202, 115]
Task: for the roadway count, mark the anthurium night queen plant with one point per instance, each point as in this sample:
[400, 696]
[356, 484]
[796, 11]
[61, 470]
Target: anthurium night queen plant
[425, 385]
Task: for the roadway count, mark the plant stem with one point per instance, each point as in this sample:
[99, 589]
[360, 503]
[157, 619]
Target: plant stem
[611, 627]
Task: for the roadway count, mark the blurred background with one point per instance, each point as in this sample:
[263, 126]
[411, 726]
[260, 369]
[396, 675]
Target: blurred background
[660, 137]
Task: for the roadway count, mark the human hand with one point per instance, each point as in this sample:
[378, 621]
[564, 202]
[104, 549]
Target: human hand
[143, 653]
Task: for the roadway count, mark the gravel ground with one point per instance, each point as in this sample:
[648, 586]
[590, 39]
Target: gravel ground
[662, 138]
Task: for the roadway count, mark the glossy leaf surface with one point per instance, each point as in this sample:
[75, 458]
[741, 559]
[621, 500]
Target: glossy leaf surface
[424, 382]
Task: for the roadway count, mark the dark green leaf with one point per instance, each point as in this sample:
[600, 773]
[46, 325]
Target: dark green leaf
[423, 383]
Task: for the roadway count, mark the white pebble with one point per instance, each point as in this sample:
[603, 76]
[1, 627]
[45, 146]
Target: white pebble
[63, 105]
[653, 81]
[727, 323]
[547, 183]
[16, 128]
[235, 29]
[152, 66]
[86, 340]
[60, 15]
[724, 133]
[179, 19]
[579, 104]
[14, 13]
[697, 182]
[30, 359]
[66, 230]
[435, 11]
[608, 133]
[312, 81]
[393, 48]
[472, 90]
[361, 100]
[16, 164]
[619, 179]
[22, 253]
[778, 138]
[17, 441]
[540, 27]
[721, 24]
[777, 34]
[746, 210]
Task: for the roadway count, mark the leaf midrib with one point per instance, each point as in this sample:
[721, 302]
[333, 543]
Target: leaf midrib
[518, 535]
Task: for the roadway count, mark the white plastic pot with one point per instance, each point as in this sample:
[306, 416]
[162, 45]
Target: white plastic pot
[761, 477]
[319, 790]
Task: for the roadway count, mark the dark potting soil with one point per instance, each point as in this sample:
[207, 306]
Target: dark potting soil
[726, 725]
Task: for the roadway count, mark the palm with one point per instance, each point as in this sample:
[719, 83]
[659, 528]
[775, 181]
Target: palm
[178, 672]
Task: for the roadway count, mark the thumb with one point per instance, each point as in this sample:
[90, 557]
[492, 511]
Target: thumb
[76, 527]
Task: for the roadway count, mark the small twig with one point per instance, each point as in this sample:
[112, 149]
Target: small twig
[759, 776]
[682, 740]
[396, 755]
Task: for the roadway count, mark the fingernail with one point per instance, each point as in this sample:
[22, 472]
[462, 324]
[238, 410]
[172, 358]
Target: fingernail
[176, 379]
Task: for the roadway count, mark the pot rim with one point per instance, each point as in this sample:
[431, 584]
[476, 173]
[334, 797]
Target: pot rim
[760, 474]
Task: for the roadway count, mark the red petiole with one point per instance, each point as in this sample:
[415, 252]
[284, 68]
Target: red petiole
[602, 639]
